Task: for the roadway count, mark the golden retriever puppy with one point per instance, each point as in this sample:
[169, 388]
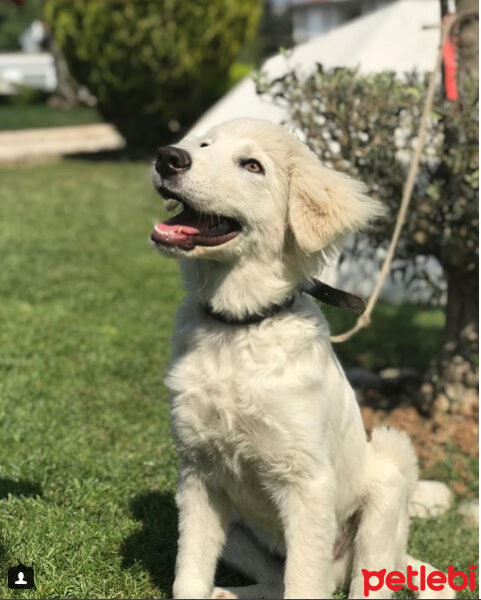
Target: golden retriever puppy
[277, 476]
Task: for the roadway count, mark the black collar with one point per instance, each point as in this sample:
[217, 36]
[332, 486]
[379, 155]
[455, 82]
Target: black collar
[251, 319]
[323, 292]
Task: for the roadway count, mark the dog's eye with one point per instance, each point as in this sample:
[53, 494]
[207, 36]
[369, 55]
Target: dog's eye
[252, 165]
[204, 145]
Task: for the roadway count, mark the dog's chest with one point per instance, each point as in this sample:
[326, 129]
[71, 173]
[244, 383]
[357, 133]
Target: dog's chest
[234, 406]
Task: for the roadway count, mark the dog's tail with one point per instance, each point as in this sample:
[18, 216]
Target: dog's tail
[395, 446]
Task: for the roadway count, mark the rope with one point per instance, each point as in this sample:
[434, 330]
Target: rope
[365, 319]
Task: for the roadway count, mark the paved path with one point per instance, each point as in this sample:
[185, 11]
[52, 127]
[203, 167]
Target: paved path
[39, 144]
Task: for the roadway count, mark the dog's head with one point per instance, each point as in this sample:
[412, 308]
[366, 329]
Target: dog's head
[250, 188]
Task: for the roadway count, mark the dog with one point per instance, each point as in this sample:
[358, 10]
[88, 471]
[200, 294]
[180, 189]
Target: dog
[277, 476]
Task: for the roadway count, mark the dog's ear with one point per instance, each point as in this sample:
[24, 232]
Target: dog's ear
[325, 205]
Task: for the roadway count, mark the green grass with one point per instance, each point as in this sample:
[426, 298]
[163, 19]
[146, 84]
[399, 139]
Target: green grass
[411, 336]
[87, 466]
[30, 116]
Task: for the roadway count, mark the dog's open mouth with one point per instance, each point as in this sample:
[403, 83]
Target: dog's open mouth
[190, 228]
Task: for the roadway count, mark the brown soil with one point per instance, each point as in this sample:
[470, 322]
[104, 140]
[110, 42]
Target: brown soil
[444, 443]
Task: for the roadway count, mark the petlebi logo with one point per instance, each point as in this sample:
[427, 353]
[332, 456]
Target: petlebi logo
[419, 580]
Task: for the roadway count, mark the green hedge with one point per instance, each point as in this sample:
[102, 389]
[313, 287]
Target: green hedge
[366, 126]
[153, 65]
[14, 19]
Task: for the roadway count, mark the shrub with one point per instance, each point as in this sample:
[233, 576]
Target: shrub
[14, 19]
[366, 126]
[153, 66]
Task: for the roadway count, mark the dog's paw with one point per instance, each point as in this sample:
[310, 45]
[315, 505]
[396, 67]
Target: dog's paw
[223, 593]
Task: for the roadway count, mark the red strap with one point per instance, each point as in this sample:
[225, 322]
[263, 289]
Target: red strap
[450, 65]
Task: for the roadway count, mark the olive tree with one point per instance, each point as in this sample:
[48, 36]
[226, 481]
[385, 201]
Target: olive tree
[366, 126]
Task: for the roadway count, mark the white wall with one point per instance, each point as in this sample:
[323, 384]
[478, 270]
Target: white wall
[310, 19]
[36, 70]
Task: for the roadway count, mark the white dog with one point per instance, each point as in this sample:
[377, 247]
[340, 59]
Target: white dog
[276, 474]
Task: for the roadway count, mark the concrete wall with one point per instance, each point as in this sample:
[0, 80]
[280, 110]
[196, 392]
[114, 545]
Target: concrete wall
[310, 19]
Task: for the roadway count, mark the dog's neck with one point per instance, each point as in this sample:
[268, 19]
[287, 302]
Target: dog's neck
[241, 288]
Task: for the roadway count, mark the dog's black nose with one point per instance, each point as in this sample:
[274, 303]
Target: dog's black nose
[172, 160]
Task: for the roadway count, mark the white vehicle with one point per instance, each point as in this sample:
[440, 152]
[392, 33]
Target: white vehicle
[27, 69]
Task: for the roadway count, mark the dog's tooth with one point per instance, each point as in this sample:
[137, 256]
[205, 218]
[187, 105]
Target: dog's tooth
[188, 230]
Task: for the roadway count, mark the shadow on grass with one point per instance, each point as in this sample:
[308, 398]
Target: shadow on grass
[154, 546]
[120, 155]
[406, 336]
[10, 487]
[3, 555]
[19, 488]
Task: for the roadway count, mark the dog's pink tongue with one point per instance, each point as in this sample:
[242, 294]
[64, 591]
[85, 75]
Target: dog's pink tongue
[173, 233]
[187, 229]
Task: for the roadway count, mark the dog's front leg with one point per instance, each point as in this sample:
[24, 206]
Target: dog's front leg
[203, 521]
[307, 512]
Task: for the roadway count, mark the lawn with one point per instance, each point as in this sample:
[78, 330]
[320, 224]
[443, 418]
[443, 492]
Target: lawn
[17, 115]
[87, 467]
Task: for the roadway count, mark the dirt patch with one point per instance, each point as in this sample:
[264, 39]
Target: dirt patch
[447, 445]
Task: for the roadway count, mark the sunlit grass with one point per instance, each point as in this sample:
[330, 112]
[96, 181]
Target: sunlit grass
[31, 116]
[87, 466]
